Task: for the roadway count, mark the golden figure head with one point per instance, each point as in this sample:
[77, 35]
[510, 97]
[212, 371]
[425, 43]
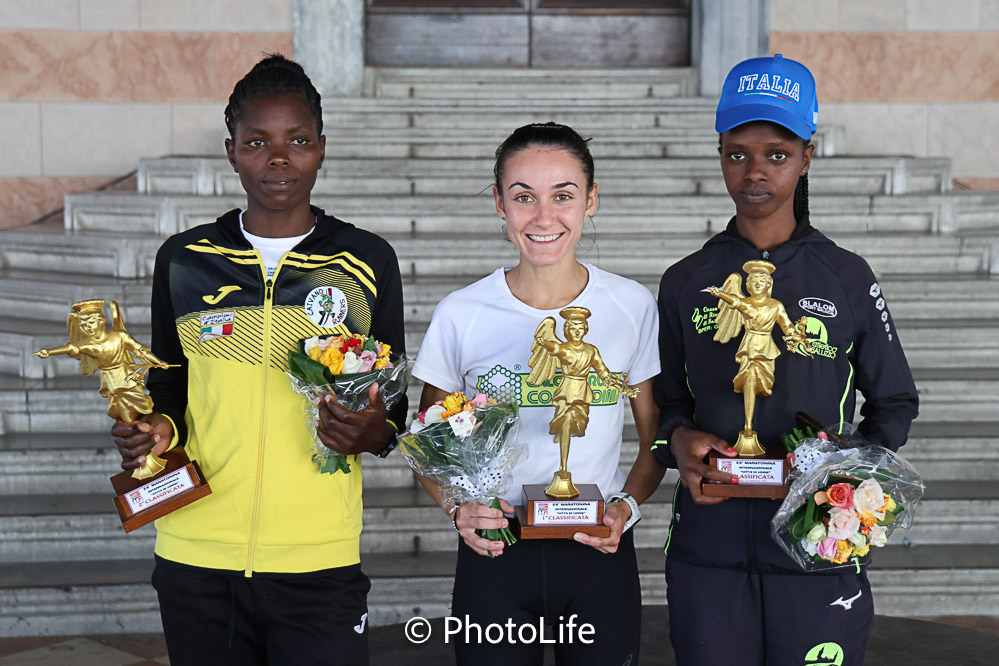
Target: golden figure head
[88, 317]
[758, 280]
[575, 322]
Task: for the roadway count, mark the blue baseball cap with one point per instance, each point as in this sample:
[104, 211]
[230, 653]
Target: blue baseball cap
[775, 89]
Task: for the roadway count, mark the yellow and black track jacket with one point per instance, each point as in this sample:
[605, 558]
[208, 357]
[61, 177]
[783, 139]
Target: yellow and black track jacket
[229, 328]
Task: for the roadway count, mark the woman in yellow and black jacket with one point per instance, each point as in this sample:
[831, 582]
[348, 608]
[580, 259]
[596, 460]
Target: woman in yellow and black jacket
[265, 569]
[270, 509]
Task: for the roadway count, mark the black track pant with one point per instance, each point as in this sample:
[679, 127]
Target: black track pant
[723, 617]
[551, 579]
[220, 618]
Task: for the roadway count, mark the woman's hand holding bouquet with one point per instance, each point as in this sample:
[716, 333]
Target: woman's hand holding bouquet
[350, 381]
[843, 502]
[468, 448]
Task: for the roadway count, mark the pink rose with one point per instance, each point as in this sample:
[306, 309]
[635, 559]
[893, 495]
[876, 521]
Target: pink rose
[480, 400]
[841, 495]
[827, 548]
[843, 523]
[367, 360]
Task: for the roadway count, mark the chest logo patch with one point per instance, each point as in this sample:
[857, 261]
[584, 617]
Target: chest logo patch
[213, 299]
[818, 335]
[326, 306]
[216, 325]
[819, 307]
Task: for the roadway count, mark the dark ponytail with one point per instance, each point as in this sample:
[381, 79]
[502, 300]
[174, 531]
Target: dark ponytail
[274, 75]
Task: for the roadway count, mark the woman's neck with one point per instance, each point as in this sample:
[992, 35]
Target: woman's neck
[279, 223]
[766, 233]
[547, 287]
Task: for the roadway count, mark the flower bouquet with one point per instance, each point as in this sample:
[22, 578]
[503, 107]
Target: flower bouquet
[468, 447]
[843, 502]
[345, 366]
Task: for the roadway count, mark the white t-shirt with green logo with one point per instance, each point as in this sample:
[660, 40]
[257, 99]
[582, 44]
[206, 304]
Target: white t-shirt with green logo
[480, 338]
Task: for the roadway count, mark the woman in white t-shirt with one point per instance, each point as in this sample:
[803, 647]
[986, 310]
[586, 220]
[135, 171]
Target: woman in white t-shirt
[480, 340]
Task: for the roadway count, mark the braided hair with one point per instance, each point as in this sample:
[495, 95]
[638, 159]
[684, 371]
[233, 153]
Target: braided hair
[274, 75]
[801, 198]
[545, 135]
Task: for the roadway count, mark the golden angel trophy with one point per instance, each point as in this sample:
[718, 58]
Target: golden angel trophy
[562, 509]
[161, 485]
[762, 470]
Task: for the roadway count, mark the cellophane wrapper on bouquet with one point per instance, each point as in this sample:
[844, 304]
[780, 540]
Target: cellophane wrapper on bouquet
[345, 366]
[843, 502]
[469, 447]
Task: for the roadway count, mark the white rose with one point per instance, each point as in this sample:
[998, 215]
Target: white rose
[310, 343]
[843, 523]
[351, 363]
[878, 535]
[868, 497]
[810, 548]
[433, 415]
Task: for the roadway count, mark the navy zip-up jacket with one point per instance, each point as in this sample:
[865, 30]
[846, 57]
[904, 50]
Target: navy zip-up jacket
[856, 347]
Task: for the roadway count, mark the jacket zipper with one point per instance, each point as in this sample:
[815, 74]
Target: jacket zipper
[255, 516]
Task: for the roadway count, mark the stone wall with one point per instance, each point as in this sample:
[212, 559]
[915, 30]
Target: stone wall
[915, 77]
[87, 87]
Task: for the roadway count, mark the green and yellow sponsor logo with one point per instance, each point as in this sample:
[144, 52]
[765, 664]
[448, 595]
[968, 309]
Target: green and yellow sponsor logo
[825, 654]
[505, 385]
[704, 318]
[817, 334]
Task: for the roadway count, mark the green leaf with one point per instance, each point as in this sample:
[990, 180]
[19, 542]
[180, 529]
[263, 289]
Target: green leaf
[334, 463]
[369, 345]
[798, 530]
[888, 520]
[309, 371]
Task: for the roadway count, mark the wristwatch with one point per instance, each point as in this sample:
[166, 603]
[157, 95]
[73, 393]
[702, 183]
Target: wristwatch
[636, 513]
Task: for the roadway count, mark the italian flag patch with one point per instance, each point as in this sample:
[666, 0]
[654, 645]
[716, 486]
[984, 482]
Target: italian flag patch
[216, 325]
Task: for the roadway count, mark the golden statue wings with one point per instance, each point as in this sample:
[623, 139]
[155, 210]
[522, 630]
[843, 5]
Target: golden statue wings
[729, 319]
[543, 363]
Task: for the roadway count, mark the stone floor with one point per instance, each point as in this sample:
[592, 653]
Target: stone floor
[389, 647]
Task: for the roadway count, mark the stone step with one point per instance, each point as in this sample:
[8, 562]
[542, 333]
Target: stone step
[832, 175]
[911, 297]
[489, 83]
[36, 464]
[947, 343]
[64, 527]
[934, 334]
[482, 142]
[645, 212]
[70, 402]
[130, 255]
[86, 597]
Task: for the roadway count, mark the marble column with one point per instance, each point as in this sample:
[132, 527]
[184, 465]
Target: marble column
[329, 43]
[724, 32]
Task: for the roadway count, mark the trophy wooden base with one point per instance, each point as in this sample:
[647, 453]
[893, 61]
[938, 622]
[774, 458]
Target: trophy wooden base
[542, 517]
[141, 502]
[761, 476]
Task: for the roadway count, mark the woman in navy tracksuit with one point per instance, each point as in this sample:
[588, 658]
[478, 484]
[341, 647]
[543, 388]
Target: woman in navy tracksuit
[735, 597]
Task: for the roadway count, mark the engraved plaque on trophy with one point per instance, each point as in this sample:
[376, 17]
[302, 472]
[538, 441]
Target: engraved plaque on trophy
[762, 469]
[161, 485]
[561, 509]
